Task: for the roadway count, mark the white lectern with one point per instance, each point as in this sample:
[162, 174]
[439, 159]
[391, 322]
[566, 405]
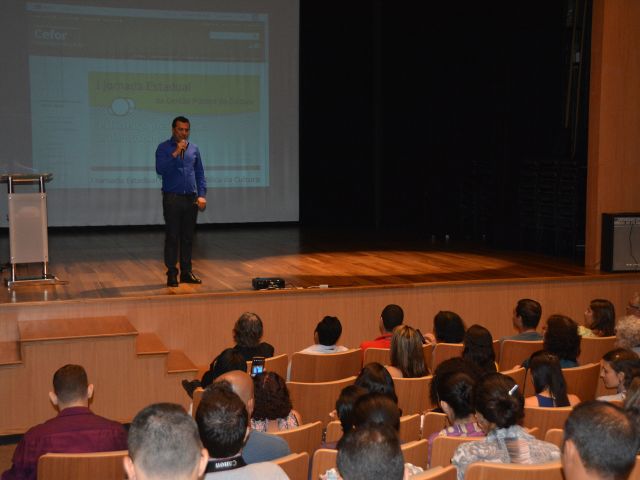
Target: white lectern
[28, 239]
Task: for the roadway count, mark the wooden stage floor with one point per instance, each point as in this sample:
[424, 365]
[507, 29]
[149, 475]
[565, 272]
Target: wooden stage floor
[127, 262]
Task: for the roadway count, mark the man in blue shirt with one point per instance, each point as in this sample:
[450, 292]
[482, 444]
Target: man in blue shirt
[184, 188]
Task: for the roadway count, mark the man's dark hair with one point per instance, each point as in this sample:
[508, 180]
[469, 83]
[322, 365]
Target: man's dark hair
[70, 383]
[248, 330]
[376, 409]
[448, 327]
[605, 438]
[179, 119]
[222, 420]
[164, 442]
[370, 452]
[562, 337]
[329, 330]
[530, 312]
[392, 316]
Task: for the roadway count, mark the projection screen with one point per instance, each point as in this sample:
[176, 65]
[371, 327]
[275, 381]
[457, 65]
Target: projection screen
[93, 86]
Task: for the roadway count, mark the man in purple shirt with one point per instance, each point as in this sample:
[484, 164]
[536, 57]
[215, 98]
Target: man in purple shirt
[75, 430]
[184, 188]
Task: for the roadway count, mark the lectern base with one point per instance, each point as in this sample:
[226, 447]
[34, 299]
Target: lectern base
[27, 281]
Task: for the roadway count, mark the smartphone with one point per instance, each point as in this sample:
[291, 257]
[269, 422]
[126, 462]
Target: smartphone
[424, 341]
[257, 365]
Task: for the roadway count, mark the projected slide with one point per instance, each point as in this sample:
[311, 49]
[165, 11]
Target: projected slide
[103, 92]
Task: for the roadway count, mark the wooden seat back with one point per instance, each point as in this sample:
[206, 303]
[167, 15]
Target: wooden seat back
[305, 438]
[555, 436]
[65, 466]
[296, 465]
[378, 355]
[409, 429]
[309, 367]
[277, 364]
[445, 351]
[323, 460]
[592, 349]
[437, 473]
[512, 471]
[443, 449]
[545, 418]
[583, 381]
[314, 401]
[514, 352]
[413, 394]
[416, 452]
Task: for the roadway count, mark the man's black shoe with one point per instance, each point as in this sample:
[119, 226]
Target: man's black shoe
[189, 278]
[172, 280]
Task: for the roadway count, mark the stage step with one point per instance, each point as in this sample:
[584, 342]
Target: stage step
[10, 353]
[178, 362]
[149, 343]
[69, 328]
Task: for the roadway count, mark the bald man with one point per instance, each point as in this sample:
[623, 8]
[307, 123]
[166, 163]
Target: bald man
[260, 446]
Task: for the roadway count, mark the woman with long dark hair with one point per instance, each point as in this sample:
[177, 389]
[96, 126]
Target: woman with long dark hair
[548, 382]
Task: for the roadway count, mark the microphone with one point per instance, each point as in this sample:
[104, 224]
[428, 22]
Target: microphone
[182, 151]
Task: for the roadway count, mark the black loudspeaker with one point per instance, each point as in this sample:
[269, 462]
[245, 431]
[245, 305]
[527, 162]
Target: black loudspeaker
[620, 242]
[267, 283]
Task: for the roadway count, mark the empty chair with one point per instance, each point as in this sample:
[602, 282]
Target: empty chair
[592, 349]
[409, 428]
[443, 448]
[305, 438]
[379, 355]
[511, 471]
[323, 460]
[296, 465]
[582, 381]
[314, 401]
[545, 418]
[555, 436]
[437, 473]
[277, 364]
[308, 367]
[514, 352]
[65, 466]
[413, 394]
[444, 351]
[416, 452]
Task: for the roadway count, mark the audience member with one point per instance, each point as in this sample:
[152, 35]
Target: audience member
[633, 307]
[526, 317]
[628, 332]
[164, 444]
[562, 340]
[392, 316]
[374, 378]
[632, 402]
[478, 348]
[272, 410]
[326, 336]
[370, 452]
[600, 442]
[451, 365]
[376, 409]
[548, 382]
[407, 357]
[499, 406]
[344, 406]
[223, 423]
[455, 395]
[227, 361]
[599, 319]
[247, 333]
[448, 327]
[74, 430]
[260, 446]
[617, 369]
